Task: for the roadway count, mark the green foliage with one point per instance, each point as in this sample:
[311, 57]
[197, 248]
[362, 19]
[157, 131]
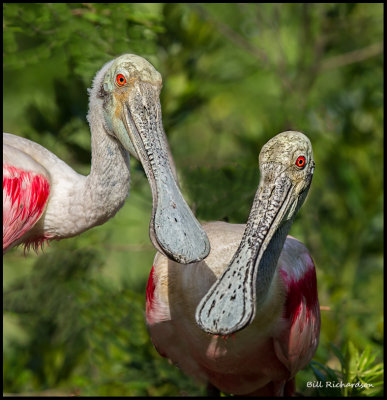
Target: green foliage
[234, 76]
[87, 335]
[358, 374]
[59, 339]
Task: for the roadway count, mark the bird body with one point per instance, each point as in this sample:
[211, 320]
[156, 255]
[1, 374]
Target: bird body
[44, 198]
[262, 356]
[72, 202]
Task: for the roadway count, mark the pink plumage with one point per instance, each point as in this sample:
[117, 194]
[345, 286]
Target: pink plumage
[25, 195]
[150, 289]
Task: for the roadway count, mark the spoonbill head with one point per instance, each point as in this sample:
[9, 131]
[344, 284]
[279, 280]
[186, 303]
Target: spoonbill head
[130, 91]
[286, 165]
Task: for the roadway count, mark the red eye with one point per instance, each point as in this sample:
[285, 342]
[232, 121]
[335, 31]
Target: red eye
[120, 79]
[300, 162]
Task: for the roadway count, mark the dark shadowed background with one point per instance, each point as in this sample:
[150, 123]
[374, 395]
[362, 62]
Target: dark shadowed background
[234, 76]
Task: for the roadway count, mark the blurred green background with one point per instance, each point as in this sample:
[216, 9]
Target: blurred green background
[234, 76]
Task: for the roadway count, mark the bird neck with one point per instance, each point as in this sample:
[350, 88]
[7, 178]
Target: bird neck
[88, 201]
[107, 185]
[77, 202]
[265, 284]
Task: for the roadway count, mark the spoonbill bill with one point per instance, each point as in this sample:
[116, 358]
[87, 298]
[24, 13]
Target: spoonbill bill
[45, 199]
[246, 319]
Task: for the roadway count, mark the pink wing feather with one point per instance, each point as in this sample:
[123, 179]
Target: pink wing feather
[25, 195]
[296, 345]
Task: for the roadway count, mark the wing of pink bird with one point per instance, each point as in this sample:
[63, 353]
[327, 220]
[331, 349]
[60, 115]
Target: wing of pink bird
[299, 340]
[25, 194]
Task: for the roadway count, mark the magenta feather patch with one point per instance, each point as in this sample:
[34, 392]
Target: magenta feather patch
[300, 290]
[150, 288]
[25, 195]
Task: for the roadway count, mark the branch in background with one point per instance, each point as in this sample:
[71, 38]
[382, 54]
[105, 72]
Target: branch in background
[243, 43]
[352, 57]
[282, 67]
[331, 63]
[232, 35]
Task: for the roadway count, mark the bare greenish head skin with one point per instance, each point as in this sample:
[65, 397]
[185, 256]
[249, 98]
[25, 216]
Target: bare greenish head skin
[130, 88]
[286, 165]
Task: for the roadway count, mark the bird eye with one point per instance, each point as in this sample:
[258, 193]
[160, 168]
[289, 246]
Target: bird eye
[120, 79]
[300, 162]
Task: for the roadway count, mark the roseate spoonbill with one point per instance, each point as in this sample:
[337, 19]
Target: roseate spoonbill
[256, 281]
[44, 198]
